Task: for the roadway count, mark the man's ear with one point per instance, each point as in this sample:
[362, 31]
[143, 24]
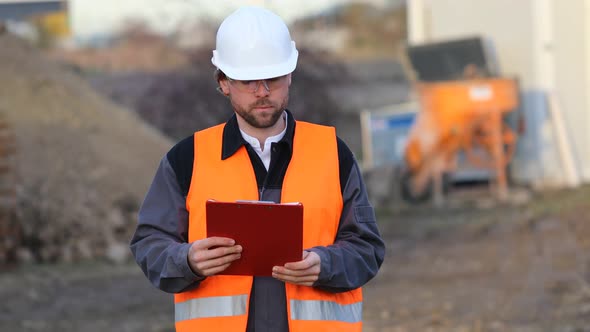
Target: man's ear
[289, 78]
[224, 86]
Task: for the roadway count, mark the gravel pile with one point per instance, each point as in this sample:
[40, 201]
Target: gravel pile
[81, 166]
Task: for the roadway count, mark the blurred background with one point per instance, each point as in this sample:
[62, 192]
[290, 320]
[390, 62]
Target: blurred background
[470, 119]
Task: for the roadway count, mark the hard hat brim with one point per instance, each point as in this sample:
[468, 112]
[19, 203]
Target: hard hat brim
[259, 72]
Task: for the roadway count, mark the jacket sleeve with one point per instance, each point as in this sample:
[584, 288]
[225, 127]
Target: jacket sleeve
[160, 243]
[358, 251]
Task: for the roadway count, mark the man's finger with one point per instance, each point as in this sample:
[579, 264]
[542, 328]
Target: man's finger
[295, 273]
[215, 263]
[301, 265]
[307, 280]
[216, 270]
[309, 259]
[215, 241]
[223, 251]
[205, 255]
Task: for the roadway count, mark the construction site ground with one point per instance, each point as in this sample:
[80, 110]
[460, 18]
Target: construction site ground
[475, 265]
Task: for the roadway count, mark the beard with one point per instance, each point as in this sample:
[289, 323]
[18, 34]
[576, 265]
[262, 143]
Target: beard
[261, 118]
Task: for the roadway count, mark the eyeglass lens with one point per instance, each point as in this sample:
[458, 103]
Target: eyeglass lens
[252, 86]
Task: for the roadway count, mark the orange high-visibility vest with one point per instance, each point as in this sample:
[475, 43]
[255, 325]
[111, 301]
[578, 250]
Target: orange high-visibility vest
[220, 303]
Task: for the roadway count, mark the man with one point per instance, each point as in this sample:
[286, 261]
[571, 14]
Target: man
[260, 153]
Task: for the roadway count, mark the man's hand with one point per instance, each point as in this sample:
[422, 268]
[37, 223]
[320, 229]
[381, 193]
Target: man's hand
[213, 255]
[304, 272]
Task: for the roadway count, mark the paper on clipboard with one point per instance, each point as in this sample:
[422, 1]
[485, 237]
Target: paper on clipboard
[271, 234]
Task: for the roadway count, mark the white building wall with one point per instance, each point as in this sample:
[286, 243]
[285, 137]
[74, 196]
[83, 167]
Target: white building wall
[507, 22]
[572, 59]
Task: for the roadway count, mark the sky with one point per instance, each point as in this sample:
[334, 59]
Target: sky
[101, 17]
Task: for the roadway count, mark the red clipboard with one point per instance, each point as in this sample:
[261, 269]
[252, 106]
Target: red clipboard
[271, 234]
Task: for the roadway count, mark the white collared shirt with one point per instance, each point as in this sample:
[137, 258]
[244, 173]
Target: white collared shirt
[264, 152]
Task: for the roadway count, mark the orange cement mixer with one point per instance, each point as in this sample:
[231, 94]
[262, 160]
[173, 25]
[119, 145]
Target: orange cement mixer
[455, 116]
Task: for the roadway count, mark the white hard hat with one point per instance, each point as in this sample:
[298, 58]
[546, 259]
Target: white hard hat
[254, 43]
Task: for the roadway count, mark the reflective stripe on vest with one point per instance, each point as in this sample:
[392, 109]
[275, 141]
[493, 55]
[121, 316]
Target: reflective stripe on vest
[218, 306]
[326, 310]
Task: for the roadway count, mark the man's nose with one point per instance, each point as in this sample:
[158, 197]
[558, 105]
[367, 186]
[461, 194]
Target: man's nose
[262, 89]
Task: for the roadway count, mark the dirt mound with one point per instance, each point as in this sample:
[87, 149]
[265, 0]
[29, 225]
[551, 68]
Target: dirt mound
[82, 163]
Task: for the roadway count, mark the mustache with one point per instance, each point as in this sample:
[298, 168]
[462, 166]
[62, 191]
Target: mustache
[262, 103]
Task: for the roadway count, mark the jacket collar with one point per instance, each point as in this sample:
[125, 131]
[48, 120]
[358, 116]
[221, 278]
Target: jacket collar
[233, 140]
